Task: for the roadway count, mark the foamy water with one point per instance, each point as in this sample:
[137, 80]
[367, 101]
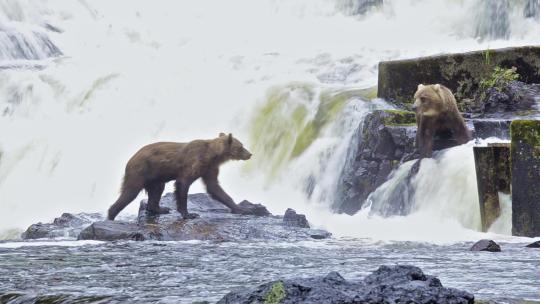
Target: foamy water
[134, 72]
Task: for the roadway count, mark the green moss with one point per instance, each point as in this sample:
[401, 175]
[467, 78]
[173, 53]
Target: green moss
[276, 294]
[291, 118]
[399, 118]
[330, 105]
[527, 131]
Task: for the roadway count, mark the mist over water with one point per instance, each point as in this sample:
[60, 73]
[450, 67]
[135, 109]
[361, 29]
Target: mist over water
[84, 84]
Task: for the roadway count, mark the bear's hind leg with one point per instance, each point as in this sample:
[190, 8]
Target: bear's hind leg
[155, 190]
[128, 195]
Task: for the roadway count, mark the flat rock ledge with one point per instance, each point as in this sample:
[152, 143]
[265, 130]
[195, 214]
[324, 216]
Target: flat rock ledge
[388, 284]
[215, 223]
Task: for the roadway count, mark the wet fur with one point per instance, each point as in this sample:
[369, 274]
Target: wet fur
[436, 112]
[158, 163]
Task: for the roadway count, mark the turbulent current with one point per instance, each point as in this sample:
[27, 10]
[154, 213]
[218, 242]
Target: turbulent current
[84, 84]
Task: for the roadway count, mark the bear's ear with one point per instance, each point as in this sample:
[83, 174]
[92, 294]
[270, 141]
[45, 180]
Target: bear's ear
[230, 138]
[221, 134]
[420, 86]
[437, 87]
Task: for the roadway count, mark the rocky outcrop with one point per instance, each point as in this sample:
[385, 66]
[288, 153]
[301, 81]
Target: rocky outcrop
[388, 284]
[534, 245]
[486, 245]
[461, 73]
[67, 225]
[293, 219]
[504, 100]
[381, 143]
[215, 223]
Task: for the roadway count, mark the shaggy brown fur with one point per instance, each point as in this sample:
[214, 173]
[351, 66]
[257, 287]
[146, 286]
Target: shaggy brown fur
[155, 164]
[437, 112]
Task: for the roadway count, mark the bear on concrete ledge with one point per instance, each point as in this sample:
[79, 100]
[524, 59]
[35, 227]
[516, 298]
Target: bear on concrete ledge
[437, 114]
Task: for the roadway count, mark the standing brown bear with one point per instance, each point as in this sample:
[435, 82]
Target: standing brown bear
[437, 112]
[155, 164]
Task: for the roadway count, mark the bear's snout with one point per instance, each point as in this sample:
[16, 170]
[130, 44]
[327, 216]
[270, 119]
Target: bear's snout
[246, 155]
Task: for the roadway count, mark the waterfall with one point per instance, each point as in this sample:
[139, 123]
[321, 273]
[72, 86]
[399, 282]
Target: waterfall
[493, 21]
[84, 84]
[24, 36]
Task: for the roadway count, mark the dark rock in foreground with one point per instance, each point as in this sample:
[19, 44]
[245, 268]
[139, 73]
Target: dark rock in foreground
[215, 223]
[67, 225]
[293, 219]
[534, 245]
[486, 245]
[388, 284]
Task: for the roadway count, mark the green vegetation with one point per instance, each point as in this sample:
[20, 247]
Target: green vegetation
[487, 56]
[276, 294]
[499, 78]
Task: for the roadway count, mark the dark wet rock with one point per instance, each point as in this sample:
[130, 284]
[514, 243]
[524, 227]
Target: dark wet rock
[506, 100]
[215, 223]
[486, 245]
[388, 284]
[461, 72]
[117, 230]
[67, 225]
[381, 143]
[293, 219]
[534, 245]
[484, 128]
[249, 208]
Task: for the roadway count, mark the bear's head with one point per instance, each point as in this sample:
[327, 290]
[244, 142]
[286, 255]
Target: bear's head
[234, 148]
[428, 100]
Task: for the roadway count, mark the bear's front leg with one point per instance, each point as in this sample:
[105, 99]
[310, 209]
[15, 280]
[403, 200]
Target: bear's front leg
[181, 193]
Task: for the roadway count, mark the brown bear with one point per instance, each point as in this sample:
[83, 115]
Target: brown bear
[437, 113]
[155, 164]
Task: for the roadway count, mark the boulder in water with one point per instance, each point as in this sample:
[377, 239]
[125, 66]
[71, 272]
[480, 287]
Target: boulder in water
[67, 225]
[486, 245]
[388, 284]
[534, 245]
[293, 219]
[215, 223]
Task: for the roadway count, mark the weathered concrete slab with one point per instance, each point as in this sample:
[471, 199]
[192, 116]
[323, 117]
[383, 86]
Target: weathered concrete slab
[461, 72]
[525, 154]
[492, 176]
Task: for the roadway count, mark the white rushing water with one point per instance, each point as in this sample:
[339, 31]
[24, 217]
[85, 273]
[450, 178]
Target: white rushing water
[84, 84]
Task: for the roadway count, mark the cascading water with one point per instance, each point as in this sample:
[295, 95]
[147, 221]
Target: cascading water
[115, 77]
